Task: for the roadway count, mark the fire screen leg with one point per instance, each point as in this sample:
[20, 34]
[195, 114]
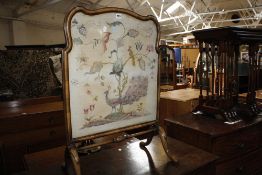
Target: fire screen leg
[163, 138]
[148, 141]
[74, 159]
[162, 135]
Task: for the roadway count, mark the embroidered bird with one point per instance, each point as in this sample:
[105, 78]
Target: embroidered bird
[112, 102]
[117, 67]
[137, 88]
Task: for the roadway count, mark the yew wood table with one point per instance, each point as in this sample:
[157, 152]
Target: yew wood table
[129, 159]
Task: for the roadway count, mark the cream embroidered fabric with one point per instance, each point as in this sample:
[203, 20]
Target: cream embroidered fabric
[113, 68]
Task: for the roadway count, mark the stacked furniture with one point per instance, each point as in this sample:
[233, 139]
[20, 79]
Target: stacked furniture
[31, 107]
[171, 76]
[168, 78]
[30, 125]
[219, 69]
[239, 146]
[186, 100]
[224, 124]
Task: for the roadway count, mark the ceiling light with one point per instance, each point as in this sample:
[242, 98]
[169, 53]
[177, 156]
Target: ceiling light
[192, 20]
[173, 7]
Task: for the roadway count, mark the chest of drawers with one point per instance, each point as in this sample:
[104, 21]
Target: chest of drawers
[239, 146]
[28, 126]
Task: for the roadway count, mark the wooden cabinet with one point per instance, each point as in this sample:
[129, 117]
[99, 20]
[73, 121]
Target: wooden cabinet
[239, 146]
[248, 164]
[28, 126]
[177, 102]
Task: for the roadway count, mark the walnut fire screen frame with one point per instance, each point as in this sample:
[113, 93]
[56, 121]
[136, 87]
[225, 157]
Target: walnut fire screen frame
[110, 75]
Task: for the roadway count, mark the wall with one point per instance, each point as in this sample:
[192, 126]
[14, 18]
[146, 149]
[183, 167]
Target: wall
[28, 34]
[5, 37]
[37, 28]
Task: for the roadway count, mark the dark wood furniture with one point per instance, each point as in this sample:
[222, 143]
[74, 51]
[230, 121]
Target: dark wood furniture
[219, 57]
[170, 76]
[2, 160]
[239, 146]
[30, 125]
[167, 67]
[177, 102]
[128, 159]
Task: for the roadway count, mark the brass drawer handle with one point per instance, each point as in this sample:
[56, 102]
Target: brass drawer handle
[241, 146]
[52, 133]
[51, 120]
[240, 169]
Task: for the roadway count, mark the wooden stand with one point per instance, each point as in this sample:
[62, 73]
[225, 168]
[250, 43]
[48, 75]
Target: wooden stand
[192, 160]
[219, 54]
[92, 65]
[72, 151]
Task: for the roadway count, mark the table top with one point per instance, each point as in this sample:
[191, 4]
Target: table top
[209, 126]
[127, 159]
[181, 94]
[31, 109]
[258, 94]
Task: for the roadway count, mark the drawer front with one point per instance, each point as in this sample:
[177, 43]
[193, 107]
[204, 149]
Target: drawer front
[47, 138]
[187, 135]
[238, 143]
[249, 164]
[173, 108]
[16, 145]
[46, 135]
[27, 122]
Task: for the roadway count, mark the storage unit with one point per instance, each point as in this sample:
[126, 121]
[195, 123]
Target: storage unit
[239, 146]
[30, 125]
[176, 103]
